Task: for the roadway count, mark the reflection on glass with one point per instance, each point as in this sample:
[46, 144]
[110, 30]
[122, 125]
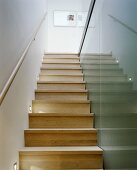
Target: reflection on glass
[109, 62]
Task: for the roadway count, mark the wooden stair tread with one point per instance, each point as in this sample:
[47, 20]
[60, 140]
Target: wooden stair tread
[62, 101]
[73, 75]
[120, 148]
[61, 91]
[56, 68]
[69, 63]
[45, 74]
[61, 61]
[58, 57]
[110, 82]
[62, 130]
[60, 54]
[53, 149]
[99, 63]
[105, 76]
[61, 114]
[62, 82]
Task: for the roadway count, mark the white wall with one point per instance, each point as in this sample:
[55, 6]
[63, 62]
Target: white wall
[17, 28]
[64, 39]
[18, 20]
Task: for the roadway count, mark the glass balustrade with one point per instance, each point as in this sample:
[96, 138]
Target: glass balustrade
[109, 61]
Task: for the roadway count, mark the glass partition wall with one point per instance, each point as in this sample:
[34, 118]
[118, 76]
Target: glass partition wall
[109, 61]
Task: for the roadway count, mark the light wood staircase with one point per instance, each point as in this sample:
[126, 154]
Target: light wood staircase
[61, 132]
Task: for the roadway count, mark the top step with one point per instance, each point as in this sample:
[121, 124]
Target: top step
[96, 56]
[60, 55]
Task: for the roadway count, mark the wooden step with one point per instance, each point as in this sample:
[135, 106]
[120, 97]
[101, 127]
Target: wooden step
[54, 61]
[52, 85]
[118, 78]
[116, 120]
[96, 56]
[63, 68]
[61, 94]
[118, 136]
[102, 72]
[61, 65]
[58, 120]
[118, 157]
[61, 77]
[41, 106]
[61, 71]
[61, 60]
[60, 137]
[47, 158]
[61, 56]
[99, 61]
[100, 66]
[113, 95]
[123, 86]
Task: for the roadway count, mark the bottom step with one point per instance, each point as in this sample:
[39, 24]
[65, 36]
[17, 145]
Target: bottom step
[75, 169]
[47, 158]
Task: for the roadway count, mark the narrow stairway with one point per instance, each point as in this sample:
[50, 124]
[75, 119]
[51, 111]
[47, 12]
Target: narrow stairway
[61, 132]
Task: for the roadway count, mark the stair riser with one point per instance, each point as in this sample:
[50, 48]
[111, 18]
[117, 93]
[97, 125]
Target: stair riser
[96, 57]
[118, 137]
[107, 78]
[60, 96]
[112, 97]
[60, 122]
[61, 56]
[60, 78]
[99, 61]
[116, 121]
[103, 73]
[60, 139]
[110, 108]
[62, 60]
[120, 159]
[98, 86]
[61, 86]
[60, 72]
[98, 66]
[61, 108]
[65, 66]
[55, 161]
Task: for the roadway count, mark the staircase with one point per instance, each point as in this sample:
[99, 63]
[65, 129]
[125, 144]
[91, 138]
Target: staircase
[61, 132]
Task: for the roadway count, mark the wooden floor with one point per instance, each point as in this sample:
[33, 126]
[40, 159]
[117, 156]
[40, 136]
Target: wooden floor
[61, 132]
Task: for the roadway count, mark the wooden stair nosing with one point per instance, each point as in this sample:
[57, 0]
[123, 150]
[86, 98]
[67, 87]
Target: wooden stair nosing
[43, 68]
[51, 74]
[62, 101]
[69, 63]
[60, 82]
[60, 115]
[61, 91]
[62, 150]
[58, 57]
[48, 53]
[62, 75]
[61, 130]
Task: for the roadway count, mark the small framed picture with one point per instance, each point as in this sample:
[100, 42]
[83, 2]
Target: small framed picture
[71, 17]
[65, 18]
